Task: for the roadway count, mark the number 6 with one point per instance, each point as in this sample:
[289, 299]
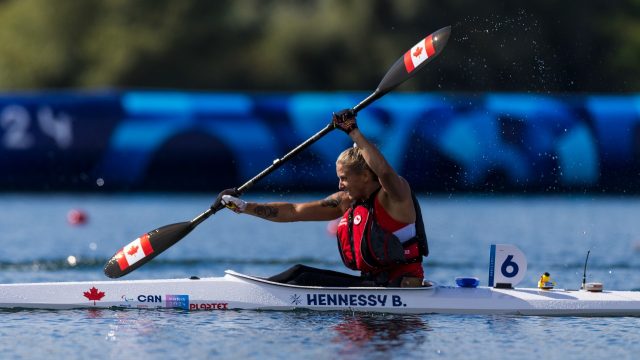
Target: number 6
[508, 262]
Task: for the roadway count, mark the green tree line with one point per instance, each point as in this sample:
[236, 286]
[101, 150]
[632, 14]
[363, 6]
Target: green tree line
[317, 45]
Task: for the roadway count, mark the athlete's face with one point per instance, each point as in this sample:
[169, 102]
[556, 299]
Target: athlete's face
[352, 182]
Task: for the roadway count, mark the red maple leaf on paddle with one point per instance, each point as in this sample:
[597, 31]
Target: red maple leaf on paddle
[132, 250]
[417, 52]
[94, 294]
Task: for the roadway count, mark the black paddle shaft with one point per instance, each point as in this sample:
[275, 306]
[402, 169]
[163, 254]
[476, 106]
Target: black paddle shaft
[281, 161]
[327, 129]
[156, 241]
[398, 73]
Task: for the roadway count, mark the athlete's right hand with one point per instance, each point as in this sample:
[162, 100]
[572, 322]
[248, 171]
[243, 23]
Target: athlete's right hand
[234, 203]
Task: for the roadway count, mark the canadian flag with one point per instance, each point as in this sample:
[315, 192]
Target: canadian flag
[419, 53]
[134, 252]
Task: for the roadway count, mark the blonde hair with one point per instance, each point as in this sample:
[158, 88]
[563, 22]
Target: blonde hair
[353, 159]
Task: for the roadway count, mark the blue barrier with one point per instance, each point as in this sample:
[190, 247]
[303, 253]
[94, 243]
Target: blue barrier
[182, 141]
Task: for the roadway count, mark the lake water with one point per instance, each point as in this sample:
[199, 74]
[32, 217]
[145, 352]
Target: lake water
[554, 232]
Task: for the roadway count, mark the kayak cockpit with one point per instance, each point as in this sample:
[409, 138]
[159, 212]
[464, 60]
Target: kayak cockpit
[426, 285]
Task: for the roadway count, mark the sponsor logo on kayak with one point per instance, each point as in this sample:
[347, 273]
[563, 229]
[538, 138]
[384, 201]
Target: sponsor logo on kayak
[295, 299]
[209, 306]
[371, 300]
[177, 301]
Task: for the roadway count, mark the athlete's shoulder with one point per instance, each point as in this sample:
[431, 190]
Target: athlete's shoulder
[399, 193]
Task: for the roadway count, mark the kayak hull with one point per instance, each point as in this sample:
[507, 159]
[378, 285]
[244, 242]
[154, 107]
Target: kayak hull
[236, 291]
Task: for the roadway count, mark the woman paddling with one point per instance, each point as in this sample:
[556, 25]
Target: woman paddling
[380, 232]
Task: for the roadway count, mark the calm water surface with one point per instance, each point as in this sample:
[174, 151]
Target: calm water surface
[554, 232]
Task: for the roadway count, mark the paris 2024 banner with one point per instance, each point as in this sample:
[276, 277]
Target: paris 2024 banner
[441, 143]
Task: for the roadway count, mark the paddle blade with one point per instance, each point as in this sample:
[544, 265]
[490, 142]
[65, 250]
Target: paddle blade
[146, 247]
[414, 59]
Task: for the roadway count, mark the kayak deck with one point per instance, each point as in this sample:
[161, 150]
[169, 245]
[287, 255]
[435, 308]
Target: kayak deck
[239, 291]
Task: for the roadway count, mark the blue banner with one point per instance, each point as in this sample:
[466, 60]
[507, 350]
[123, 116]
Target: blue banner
[184, 141]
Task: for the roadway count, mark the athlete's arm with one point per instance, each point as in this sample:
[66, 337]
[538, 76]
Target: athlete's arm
[395, 195]
[329, 208]
[395, 187]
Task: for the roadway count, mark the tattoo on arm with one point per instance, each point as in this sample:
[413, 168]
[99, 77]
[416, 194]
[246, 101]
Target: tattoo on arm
[330, 202]
[265, 211]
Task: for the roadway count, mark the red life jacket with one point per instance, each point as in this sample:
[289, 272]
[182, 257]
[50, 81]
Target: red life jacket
[365, 246]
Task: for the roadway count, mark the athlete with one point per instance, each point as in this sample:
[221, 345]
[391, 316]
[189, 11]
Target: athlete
[380, 232]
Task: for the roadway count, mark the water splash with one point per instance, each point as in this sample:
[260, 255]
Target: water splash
[515, 43]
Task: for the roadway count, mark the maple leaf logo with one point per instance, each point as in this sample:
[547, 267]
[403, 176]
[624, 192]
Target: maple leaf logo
[132, 250]
[94, 294]
[417, 52]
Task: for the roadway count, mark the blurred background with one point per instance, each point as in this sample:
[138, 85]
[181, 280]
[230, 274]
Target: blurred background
[187, 95]
[329, 45]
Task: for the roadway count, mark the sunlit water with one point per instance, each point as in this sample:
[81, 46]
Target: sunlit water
[554, 233]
